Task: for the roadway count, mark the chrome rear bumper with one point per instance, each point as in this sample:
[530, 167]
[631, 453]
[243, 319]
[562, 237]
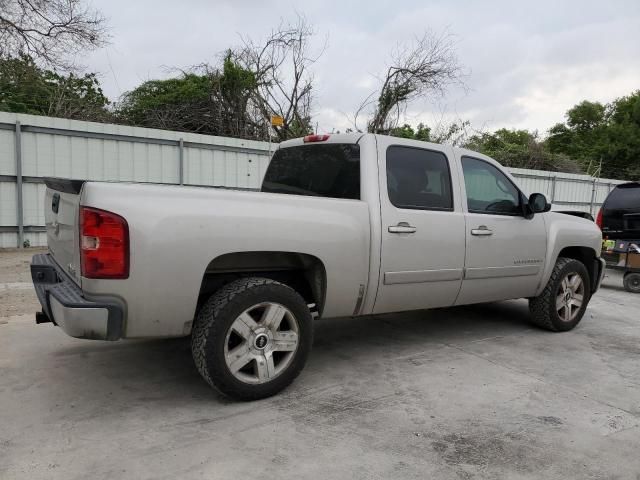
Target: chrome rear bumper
[64, 304]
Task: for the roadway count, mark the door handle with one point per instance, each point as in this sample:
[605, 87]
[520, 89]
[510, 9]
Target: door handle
[402, 227]
[481, 231]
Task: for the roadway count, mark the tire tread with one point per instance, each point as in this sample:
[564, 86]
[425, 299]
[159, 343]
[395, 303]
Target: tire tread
[540, 306]
[206, 318]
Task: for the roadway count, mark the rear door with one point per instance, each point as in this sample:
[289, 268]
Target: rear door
[422, 245]
[505, 251]
[61, 205]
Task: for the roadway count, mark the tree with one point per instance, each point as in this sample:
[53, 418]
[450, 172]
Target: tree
[27, 88]
[586, 116]
[209, 100]
[520, 149]
[255, 82]
[621, 153]
[455, 133]
[173, 104]
[49, 30]
[233, 91]
[426, 67]
[281, 66]
[598, 135]
[422, 132]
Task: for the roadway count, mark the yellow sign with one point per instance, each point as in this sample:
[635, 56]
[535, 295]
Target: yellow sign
[277, 121]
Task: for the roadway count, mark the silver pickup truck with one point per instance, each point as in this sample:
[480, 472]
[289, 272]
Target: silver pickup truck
[344, 225]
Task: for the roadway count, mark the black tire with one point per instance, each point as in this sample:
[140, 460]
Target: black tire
[215, 319]
[543, 307]
[632, 282]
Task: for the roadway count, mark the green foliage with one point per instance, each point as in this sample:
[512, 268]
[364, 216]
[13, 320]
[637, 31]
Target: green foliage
[455, 133]
[222, 101]
[595, 133]
[148, 104]
[236, 83]
[214, 102]
[422, 132]
[27, 88]
[592, 133]
[586, 116]
[452, 134]
[520, 149]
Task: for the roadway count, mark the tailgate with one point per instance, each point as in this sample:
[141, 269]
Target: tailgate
[61, 205]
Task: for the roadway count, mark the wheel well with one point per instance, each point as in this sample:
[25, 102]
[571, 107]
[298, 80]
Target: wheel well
[585, 255]
[302, 272]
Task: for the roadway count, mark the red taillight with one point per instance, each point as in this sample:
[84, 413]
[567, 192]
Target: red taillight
[599, 219]
[315, 138]
[104, 244]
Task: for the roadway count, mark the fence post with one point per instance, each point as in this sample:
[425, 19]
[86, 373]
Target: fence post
[553, 187]
[19, 202]
[593, 197]
[181, 161]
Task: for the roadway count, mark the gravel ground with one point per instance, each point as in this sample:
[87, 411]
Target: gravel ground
[16, 292]
[461, 393]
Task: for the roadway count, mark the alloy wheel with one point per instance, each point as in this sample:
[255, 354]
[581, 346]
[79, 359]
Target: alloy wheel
[570, 297]
[261, 343]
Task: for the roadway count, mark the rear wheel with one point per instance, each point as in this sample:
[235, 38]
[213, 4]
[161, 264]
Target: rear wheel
[251, 338]
[562, 303]
[632, 282]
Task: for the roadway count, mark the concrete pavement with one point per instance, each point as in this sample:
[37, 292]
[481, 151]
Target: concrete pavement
[470, 392]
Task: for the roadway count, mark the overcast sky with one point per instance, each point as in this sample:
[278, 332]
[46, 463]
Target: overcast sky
[527, 62]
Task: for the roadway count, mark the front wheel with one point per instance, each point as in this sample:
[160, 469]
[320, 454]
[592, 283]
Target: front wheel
[563, 301]
[251, 339]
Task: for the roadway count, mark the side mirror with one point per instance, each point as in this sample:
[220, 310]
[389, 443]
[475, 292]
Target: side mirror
[538, 203]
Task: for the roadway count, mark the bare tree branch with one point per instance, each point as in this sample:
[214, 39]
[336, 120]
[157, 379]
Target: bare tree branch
[50, 31]
[284, 84]
[424, 68]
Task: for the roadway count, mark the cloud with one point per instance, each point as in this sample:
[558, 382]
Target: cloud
[528, 63]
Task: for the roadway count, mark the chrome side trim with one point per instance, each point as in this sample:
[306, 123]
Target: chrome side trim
[422, 276]
[495, 272]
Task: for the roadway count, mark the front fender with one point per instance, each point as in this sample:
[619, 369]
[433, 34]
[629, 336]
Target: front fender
[566, 231]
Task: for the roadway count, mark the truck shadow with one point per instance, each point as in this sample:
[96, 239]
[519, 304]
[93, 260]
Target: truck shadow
[161, 372]
[445, 325]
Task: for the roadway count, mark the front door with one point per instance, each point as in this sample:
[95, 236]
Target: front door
[505, 251]
[422, 254]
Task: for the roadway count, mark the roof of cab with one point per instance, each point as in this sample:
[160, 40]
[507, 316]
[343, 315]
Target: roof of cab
[356, 136]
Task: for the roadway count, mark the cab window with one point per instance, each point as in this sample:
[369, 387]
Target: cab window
[489, 191]
[418, 179]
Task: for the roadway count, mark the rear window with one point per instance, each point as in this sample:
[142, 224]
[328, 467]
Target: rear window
[625, 196]
[329, 170]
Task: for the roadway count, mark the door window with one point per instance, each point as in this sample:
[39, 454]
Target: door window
[418, 179]
[489, 190]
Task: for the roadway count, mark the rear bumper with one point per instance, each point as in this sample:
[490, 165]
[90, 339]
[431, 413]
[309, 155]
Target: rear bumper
[64, 303]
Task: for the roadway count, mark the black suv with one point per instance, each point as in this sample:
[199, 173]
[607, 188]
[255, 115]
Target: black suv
[619, 217]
